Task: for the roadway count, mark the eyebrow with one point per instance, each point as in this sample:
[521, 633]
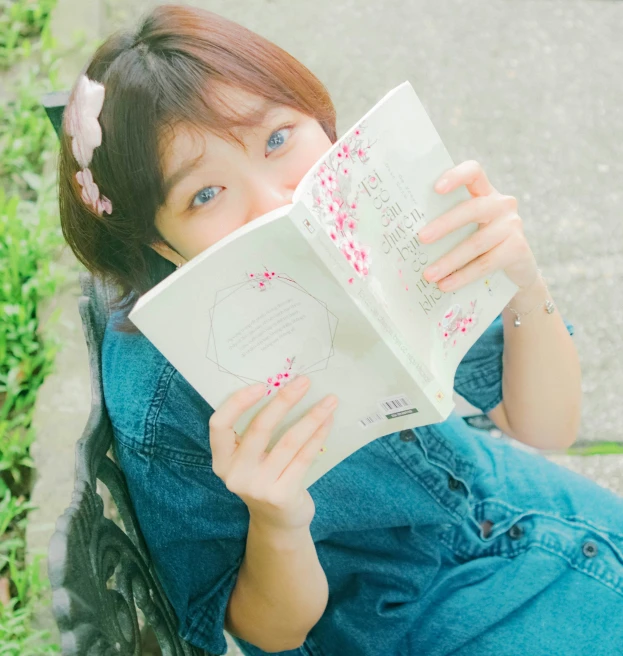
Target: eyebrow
[255, 117]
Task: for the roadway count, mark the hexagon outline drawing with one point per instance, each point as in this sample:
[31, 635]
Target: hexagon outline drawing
[323, 363]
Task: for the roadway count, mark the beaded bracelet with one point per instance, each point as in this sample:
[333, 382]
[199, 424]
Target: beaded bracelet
[548, 305]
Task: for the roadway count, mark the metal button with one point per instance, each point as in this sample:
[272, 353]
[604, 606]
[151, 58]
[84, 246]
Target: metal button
[589, 549]
[515, 532]
[407, 435]
[453, 484]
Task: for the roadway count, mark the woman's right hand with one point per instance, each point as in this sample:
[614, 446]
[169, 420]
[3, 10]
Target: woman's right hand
[271, 484]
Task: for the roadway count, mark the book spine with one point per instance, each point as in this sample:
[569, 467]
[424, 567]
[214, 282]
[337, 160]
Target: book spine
[439, 397]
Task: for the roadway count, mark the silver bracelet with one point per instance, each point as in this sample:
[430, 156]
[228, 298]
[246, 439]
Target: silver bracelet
[548, 305]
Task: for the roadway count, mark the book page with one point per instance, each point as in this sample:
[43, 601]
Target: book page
[371, 193]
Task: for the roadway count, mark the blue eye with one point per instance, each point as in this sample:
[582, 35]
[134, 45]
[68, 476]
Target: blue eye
[204, 196]
[280, 141]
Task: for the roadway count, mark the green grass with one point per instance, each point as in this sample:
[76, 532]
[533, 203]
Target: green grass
[29, 241]
[20, 21]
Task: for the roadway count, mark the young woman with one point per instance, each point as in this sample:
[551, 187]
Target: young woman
[436, 541]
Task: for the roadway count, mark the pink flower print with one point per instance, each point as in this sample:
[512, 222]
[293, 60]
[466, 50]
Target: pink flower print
[470, 320]
[318, 200]
[446, 334]
[277, 383]
[358, 266]
[339, 156]
[279, 376]
[346, 149]
[323, 183]
[352, 244]
[365, 271]
[361, 153]
[449, 313]
[359, 254]
[463, 328]
[339, 221]
[331, 181]
[286, 374]
[352, 224]
[322, 169]
[346, 252]
[266, 274]
[334, 207]
[262, 285]
[372, 178]
[353, 205]
[333, 234]
[351, 281]
[364, 253]
[357, 132]
[345, 170]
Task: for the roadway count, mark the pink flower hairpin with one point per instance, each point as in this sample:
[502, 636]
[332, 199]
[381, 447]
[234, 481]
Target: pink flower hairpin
[84, 128]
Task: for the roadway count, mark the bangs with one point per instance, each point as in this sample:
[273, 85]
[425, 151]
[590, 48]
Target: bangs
[205, 107]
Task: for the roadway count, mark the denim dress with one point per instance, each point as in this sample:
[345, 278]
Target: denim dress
[435, 541]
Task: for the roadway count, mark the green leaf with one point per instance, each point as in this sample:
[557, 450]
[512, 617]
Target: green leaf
[33, 180]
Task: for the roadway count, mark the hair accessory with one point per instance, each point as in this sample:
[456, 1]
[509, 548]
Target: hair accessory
[548, 305]
[84, 128]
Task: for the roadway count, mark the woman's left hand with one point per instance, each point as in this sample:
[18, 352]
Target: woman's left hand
[499, 243]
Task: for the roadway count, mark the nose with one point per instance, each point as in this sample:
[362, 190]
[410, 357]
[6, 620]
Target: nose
[267, 194]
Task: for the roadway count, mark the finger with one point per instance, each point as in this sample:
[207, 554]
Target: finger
[295, 437]
[469, 173]
[222, 435]
[260, 430]
[480, 242]
[481, 210]
[293, 474]
[483, 265]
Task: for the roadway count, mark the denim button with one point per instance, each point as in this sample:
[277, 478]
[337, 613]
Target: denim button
[453, 484]
[407, 435]
[589, 549]
[515, 532]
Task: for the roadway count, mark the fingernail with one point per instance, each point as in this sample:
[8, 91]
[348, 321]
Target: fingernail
[299, 383]
[425, 233]
[432, 274]
[329, 402]
[442, 185]
[254, 390]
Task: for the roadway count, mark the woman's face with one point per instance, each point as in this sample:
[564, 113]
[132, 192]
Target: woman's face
[215, 187]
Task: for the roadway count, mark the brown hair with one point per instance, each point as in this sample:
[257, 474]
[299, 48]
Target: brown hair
[154, 78]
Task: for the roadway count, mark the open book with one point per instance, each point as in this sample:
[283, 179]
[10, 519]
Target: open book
[331, 286]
